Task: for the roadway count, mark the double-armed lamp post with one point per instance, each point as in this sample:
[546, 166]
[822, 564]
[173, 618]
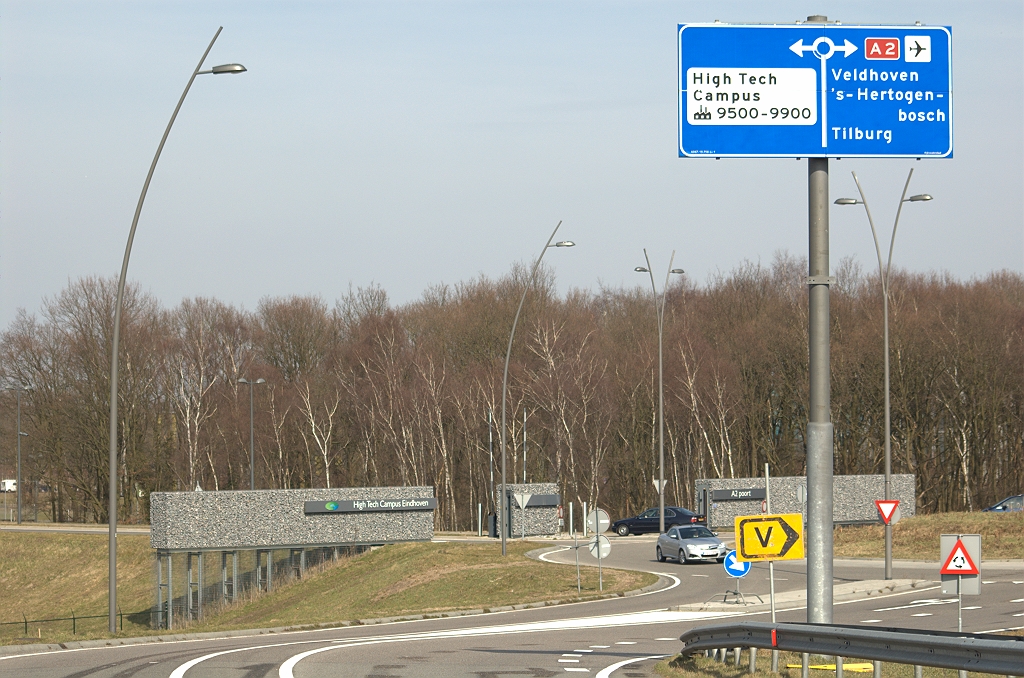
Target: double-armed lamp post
[659, 309]
[252, 447]
[112, 490]
[21, 434]
[502, 522]
[883, 274]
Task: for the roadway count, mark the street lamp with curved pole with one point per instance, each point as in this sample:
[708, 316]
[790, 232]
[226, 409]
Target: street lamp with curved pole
[659, 309]
[883, 273]
[112, 500]
[504, 379]
[252, 448]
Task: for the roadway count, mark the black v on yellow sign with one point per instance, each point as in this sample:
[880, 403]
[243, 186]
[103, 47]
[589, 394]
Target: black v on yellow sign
[770, 537]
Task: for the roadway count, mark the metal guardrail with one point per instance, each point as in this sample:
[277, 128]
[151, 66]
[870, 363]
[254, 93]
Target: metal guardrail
[25, 621]
[962, 651]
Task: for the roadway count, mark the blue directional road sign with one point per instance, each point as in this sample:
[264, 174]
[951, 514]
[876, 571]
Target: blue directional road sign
[735, 568]
[815, 90]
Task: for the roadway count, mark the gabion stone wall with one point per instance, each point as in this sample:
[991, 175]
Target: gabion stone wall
[276, 518]
[853, 497]
[541, 514]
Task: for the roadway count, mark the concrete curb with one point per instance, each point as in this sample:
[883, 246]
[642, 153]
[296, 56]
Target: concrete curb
[12, 650]
[860, 590]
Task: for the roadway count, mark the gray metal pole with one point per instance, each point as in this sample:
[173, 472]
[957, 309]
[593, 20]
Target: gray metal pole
[252, 446]
[504, 388]
[490, 448]
[524, 444]
[659, 310]
[819, 426]
[883, 274]
[18, 477]
[112, 470]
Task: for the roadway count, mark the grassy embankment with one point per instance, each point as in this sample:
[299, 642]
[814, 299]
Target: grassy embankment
[917, 538]
[49, 575]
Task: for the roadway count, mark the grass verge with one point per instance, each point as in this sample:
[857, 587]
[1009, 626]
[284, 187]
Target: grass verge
[699, 666]
[45, 576]
[917, 538]
[410, 579]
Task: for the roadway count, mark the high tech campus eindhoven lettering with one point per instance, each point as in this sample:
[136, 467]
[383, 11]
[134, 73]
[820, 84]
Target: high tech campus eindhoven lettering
[814, 90]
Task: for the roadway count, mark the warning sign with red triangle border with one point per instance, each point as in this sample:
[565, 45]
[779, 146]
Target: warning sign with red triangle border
[886, 508]
[959, 561]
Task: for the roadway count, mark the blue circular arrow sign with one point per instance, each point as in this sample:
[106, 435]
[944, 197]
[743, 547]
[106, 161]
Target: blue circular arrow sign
[735, 568]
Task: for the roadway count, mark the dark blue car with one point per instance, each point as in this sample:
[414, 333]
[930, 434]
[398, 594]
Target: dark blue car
[1014, 503]
[647, 521]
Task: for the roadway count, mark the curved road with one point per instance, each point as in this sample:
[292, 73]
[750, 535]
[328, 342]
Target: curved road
[620, 637]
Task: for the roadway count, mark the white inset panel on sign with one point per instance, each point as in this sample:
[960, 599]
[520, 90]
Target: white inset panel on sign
[752, 96]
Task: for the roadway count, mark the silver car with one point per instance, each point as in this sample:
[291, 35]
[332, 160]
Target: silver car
[690, 544]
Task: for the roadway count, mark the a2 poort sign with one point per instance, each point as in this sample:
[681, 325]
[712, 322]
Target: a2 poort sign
[738, 494]
[369, 505]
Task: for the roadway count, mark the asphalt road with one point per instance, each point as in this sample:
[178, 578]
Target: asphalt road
[620, 637]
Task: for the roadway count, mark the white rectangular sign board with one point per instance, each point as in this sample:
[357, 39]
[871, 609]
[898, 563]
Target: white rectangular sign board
[970, 585]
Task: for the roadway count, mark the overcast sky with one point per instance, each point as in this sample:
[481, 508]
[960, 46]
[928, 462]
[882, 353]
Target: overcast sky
[410, 144]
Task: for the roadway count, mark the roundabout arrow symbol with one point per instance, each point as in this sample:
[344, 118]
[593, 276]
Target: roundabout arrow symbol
[799, 47]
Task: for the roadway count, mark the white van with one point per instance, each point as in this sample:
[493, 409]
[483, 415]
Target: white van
[8, 485]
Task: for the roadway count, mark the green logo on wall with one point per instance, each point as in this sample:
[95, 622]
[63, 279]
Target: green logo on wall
[331, 506]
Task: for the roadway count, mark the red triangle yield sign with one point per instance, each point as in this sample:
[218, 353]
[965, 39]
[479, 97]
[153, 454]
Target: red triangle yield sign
[886, 508]
[959, 561]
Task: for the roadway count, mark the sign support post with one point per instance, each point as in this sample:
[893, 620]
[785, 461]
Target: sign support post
[771, 564]
[819, 426]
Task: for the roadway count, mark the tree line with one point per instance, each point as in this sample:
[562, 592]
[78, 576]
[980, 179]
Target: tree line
[362, 392]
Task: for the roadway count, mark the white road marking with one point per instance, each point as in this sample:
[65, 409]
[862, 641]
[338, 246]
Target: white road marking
[1019, 614]
[699, 575]
[609, 621]
[1018, 600]
[608, 670]
[582, 650]
[1018, 582]
[666, 639]
[566, 654]
[573, 668]
[568, 661]
[601, 647]
[544, 556]
[987, 582]
[918, 603]
[971, 607]
[626, 642]
[922, 614]
[870, 621]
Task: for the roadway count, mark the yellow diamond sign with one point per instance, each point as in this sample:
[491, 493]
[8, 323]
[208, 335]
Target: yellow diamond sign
[770, 537]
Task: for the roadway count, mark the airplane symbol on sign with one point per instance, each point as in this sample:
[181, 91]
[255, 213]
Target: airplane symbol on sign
[918, 48]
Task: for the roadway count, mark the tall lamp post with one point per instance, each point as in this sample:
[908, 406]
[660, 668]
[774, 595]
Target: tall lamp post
[504, 379]
[252, 448]
[659, 309]
[17, 482]
[112, 489]
[883, 274]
